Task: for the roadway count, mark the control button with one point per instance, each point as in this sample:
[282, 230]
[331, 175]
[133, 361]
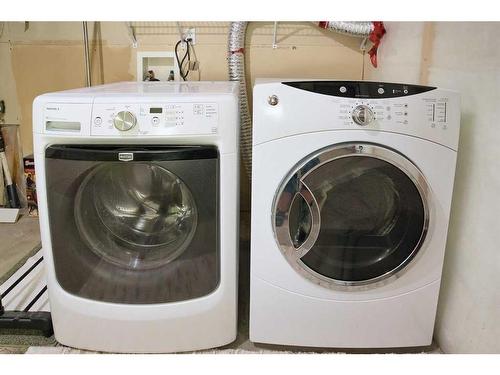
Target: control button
[405, 91]
[380, 90]
[155, 120]
[343, 89]
[389, 117]
[98, 121]
[363, 115]
[124, 121]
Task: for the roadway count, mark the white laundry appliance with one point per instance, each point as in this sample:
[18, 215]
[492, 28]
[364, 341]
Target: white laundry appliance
[138, 199]
[351, 192]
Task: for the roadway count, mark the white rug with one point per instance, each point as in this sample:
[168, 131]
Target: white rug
[66, 350]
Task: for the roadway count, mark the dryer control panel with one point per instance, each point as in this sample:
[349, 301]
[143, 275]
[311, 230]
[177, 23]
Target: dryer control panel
[424, 112]
[372, 107]
[154, 118]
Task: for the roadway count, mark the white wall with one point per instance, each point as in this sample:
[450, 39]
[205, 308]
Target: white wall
[464, 57]
[399, 54]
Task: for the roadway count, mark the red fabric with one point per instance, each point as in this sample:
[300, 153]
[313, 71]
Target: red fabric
[375, 37]
[240, 50]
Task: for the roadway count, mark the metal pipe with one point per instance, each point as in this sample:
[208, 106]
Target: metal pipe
[88, 78]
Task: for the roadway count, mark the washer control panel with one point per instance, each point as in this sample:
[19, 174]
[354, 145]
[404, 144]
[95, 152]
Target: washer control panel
[124, 121]
[154, 118]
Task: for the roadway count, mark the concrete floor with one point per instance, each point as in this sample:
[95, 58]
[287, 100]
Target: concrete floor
[18, 240]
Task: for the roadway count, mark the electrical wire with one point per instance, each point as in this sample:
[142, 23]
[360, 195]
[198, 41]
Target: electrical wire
[183, 71]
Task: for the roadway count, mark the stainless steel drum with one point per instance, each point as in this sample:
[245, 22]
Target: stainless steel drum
[136, 215]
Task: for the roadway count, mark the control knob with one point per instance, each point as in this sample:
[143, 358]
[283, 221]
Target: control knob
[363, 115]
[124, 121]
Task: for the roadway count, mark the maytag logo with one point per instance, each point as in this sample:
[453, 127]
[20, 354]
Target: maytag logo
[125, 156]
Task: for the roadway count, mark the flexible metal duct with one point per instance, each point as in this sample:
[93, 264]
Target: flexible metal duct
[359, 29]
[236, 61]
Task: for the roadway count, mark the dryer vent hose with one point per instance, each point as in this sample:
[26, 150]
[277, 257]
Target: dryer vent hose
[236, 63]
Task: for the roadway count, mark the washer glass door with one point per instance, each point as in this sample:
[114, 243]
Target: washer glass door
[352, 214]
[135, 215]
[137, 231]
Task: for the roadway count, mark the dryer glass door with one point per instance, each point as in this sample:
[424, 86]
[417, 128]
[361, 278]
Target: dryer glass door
[134, 224]
[352, 214]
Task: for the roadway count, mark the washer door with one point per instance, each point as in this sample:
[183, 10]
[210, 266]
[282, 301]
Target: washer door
[138, 231]
[351, 215]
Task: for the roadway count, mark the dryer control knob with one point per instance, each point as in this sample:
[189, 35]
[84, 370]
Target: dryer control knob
[124, 121]
[363, 115]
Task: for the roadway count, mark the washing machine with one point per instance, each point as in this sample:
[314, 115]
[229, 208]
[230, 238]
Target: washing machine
[351, 191]
[138, 200]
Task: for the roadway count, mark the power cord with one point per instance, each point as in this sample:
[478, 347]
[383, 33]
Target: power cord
[183, 70]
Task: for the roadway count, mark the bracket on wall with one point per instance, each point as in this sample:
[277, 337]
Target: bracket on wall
[131, 33]
[363, 44]
[275, 32]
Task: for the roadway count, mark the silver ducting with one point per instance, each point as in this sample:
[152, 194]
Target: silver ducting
[358, 29]
[236, 61]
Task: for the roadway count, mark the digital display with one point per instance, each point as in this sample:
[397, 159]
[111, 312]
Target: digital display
[155, 110]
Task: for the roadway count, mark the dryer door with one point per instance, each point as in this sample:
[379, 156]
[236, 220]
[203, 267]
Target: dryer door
[352, 214]
[134, 224]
